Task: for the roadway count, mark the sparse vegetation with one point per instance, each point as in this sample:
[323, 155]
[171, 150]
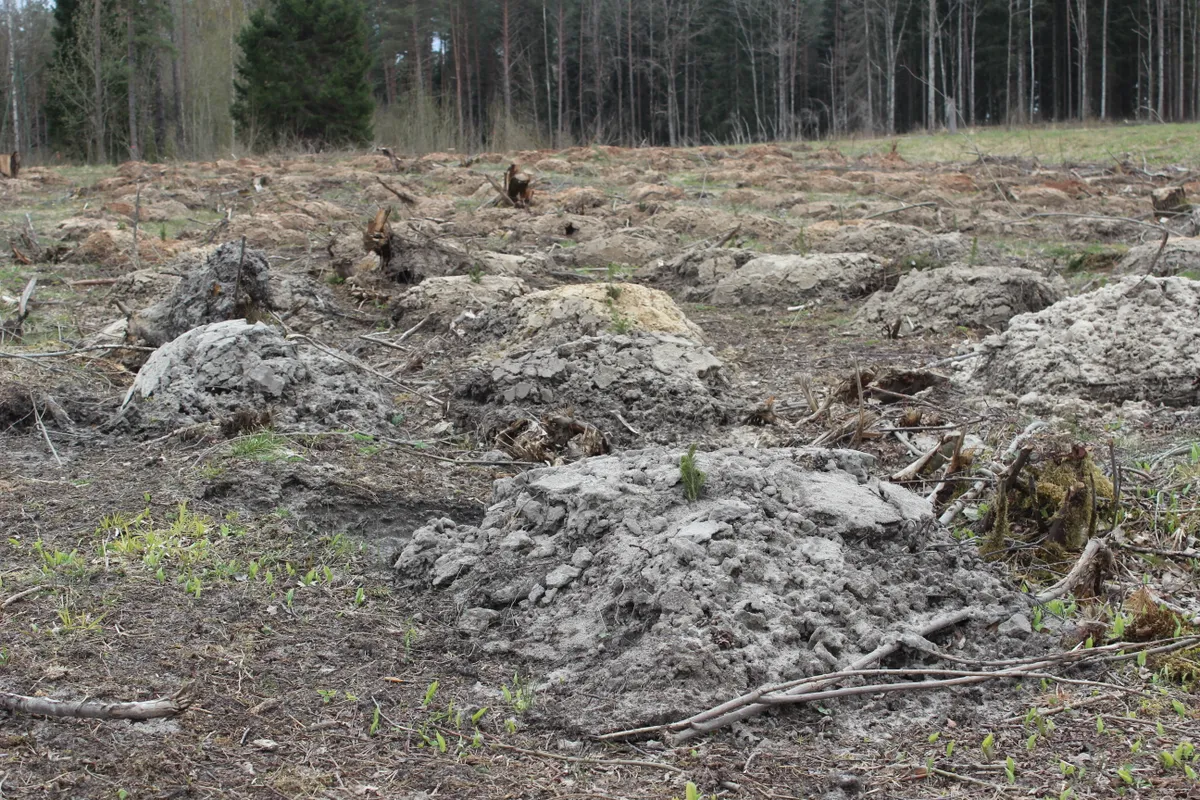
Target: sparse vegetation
[692, 476]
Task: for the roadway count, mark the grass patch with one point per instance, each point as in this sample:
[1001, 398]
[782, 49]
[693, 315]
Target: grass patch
[261, 446]
[1175, 143]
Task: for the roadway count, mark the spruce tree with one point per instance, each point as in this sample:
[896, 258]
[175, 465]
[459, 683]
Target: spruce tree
[303, 74]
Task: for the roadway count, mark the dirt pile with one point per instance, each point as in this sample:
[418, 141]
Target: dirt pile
[218, 370]
[633, 246]
[631, 605]
[1154, 258]
[790, 280]
[593, 308]
[1135, 339]
[229, 284]
[694, 272]
[662, 386]
[889, 240]
[939, 300]
[445, 298]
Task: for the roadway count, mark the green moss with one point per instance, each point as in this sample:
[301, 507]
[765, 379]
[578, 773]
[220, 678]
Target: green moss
[1060, 513]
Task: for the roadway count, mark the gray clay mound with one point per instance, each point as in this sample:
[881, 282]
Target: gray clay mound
[1135, 339]
[445, 298]
[660, 384]
[790, 280]
[225, 368]
[939, 300]
[207, 294]
[693, 274]
[633, 246]
[892, 240]
[1178, 256]
[632, 606]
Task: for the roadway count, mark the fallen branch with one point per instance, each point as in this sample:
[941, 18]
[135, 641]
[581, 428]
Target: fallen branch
[92, 709]
[813, 689]
[37, 417]
[1158, 253]
[23, 303]
[92, 282]
[21, 595]
[404, 197]
[1096, 551]
[750, 705]
[901, 208]
[914, 469]
[78, 350]
[1102, 217]
[499, 191]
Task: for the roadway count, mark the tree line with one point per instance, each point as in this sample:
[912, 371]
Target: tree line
[104, 80]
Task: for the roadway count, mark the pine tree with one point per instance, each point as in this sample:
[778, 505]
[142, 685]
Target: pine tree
[303, 74]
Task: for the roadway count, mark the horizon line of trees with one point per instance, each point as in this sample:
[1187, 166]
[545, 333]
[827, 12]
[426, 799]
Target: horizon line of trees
[103, 80]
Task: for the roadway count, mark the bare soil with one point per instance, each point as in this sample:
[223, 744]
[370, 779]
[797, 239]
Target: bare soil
[244, 550]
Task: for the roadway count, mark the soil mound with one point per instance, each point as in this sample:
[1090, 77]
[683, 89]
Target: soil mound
[633, 246]
[632, 606]
[694, 273]
[892, 240]
[1135, 339]
[592, 308]
[661, 385]
[1177, 256]
[217, 370]
[939, 300]
[444, 298]
[789, 280]
[227, 285]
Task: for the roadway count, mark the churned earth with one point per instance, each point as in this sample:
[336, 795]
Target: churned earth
[498, 502]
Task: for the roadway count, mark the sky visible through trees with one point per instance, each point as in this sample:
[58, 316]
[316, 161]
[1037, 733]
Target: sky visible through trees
[105, 80]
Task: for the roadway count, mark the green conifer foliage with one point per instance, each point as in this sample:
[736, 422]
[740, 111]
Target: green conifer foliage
[303, 74]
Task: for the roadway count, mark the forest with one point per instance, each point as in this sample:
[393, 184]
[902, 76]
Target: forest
[110, 80]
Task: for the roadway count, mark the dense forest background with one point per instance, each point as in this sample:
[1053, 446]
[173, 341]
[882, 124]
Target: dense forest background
[154, 79]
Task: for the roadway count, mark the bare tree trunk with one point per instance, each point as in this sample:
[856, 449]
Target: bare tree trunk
[506, 63]
[12, 78]
[971, 73]
[930, 87]
[1032, 67]
[131, 89]
[1104, 63]
[562, 73]
[597, 70]
[633, 129]
[869, 121]
[98, 83]
[1081, 31]
[1020, 105]
[546, 53]
[1179, 114]
[1008, 76]
[579, 77]
[1162, 59]
[458, 42]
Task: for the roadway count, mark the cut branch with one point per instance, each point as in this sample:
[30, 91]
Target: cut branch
[93, 709]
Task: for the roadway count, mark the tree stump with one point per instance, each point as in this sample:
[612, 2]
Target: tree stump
[1170, 200]
[10, 164]
[377, 237]
[517, 187]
